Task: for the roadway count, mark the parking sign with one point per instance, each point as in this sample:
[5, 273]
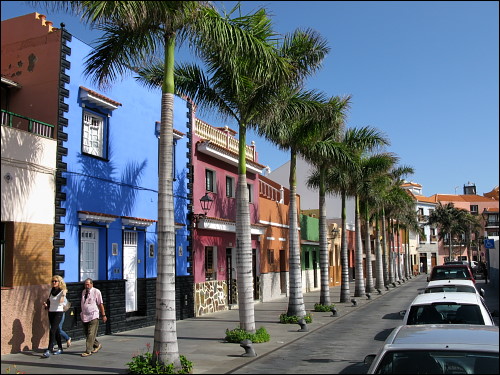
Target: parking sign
[489, 243]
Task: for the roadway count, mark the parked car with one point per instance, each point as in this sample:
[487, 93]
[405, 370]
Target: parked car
[437, 349]
[451, 271]
[451, 286]
[456, 262]
[447, 308]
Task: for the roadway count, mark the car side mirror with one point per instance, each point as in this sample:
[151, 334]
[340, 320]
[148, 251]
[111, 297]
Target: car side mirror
[402, 313]
[369, 359]
[427, 278]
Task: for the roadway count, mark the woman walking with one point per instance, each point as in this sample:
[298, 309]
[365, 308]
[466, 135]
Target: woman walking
[54, 304]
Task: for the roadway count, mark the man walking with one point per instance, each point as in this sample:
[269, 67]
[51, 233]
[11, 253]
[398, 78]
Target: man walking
[91, 304]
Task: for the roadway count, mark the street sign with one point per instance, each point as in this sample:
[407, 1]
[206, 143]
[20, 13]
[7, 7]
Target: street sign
[489, 243]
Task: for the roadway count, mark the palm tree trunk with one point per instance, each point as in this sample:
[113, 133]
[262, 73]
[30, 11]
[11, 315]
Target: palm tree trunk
[379, 270]
[385, 250]
[324, 298]
[345, 294]
[165, 335]
[359, 285]
[450, 242]
[368, 253]
[392, 257]
[398, 252]
[244, 243]
[296, 299]
[407, 256]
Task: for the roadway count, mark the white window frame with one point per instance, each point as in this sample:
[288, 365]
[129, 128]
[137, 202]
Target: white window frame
[93, 134]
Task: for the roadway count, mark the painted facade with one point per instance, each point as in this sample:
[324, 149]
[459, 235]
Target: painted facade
[309, 247]
[274, 202]
[81, 200]
[214, 157]
[30, 105]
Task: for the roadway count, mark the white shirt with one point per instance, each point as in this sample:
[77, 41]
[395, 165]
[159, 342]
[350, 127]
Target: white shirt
[56, 302]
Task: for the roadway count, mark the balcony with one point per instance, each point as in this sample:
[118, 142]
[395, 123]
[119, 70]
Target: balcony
[222, 138]
[221, 145]
[422, 218]
[270, 192]
[13, 120]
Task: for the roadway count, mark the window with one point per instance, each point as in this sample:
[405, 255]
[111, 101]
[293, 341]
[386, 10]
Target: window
[229, 187]
[7, 257]
[94, 134]
[209, 180]
[210, 263]
[493, 219]
[473, 209]
[270, 256]
[250, 193]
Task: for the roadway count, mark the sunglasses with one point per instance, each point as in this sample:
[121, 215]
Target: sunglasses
[55, 281]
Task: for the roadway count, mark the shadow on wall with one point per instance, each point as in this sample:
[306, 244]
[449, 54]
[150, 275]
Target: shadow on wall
[25, 323]
[95, 188]
[22, 185]
[18, 336]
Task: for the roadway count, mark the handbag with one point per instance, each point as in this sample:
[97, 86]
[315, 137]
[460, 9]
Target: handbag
[67, 305]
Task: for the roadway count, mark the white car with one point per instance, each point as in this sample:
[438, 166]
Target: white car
[437, 349]
[448, 308]
[452, 286]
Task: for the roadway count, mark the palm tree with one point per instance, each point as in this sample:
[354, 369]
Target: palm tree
[294, 122]
[472, 225]
[339, 180]
[243, 89]
[391, 198]
[133, 32]
[444, 217]
[328, 150]
[298, 134]
[372, 166]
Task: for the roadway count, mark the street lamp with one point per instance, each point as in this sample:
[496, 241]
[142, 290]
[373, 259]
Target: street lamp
[206, 204]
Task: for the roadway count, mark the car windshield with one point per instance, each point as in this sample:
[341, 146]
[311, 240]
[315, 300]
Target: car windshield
[438, 362]
[441, 313]
[450, 288]
[452, 273]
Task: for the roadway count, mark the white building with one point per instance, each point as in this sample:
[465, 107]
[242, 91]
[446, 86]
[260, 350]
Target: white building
[423, 250]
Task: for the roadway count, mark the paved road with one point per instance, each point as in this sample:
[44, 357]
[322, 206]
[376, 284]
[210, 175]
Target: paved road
[340, 346]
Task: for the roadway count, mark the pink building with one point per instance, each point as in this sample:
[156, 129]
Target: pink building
[214, 160]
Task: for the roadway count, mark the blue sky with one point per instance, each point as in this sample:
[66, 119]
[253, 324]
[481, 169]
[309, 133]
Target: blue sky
[425, 73]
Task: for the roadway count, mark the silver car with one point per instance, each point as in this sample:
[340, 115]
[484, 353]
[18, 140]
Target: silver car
[437, 349]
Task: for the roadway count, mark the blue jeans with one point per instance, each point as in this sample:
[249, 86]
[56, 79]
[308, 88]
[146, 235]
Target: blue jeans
[64, 335]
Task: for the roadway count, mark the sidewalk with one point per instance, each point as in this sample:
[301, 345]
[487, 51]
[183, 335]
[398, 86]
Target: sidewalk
[201, 339]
